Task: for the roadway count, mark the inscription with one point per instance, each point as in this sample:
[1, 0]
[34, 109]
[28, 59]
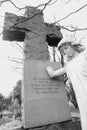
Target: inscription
[45, 86]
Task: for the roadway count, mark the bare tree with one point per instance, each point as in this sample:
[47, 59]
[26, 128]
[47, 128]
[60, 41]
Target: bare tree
[43, 7]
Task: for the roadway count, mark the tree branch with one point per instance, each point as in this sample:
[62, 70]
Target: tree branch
[71, 14]
[71, 28]
[15, 60]
[22, 21]
[45, 4]
[19, 46]
[3, 1]
[16, 70]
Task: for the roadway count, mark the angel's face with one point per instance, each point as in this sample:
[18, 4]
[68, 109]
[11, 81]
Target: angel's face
[67, 50]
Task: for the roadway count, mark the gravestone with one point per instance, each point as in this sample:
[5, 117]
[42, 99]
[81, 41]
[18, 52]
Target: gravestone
[41, 105]
[43, 101]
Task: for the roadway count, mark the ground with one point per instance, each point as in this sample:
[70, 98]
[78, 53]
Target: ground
[7, 123]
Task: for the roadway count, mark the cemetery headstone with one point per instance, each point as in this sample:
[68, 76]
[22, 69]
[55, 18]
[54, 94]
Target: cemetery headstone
[44, 99]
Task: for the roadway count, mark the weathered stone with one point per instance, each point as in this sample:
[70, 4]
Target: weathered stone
[15, 26]
[36, 48]
[45, 99]
[10, 33]
[13, 35]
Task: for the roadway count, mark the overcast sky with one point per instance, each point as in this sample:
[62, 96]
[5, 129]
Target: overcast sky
[8, 77]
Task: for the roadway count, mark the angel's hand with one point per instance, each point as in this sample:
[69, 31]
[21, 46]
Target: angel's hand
[50, 71]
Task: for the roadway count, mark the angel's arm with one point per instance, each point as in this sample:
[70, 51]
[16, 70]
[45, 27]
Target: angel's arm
[53, 73]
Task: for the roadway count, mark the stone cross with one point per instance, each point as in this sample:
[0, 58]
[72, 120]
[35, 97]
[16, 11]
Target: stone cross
[44, 100]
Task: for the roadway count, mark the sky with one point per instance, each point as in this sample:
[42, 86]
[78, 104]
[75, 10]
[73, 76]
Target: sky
[8, 75]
